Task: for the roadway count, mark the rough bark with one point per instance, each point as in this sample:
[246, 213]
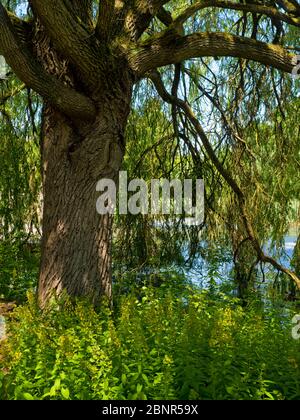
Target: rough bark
[76, 154]
[76, 245]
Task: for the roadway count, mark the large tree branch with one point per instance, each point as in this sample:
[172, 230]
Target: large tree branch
[252, 236]
[171, 48]
[105, 19]
[71, 38]
[269, 11]
[34, 76]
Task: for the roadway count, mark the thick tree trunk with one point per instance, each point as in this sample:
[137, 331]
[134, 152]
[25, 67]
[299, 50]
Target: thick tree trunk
[76, 245]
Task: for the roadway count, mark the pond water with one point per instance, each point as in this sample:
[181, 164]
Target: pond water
[202, 272]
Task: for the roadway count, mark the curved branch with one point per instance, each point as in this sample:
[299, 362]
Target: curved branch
[246, 7]
[20, 59]
[171, 48]
[71, 38]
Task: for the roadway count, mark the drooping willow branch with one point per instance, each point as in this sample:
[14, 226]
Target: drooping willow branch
[252, 236]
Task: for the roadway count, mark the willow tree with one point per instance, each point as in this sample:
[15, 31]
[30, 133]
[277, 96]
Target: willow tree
[83, 58]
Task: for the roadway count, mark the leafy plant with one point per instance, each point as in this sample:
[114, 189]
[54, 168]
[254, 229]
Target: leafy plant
[158, 345]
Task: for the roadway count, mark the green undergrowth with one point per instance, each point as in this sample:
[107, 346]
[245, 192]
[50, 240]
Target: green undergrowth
[156, 345]
[19, 264]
